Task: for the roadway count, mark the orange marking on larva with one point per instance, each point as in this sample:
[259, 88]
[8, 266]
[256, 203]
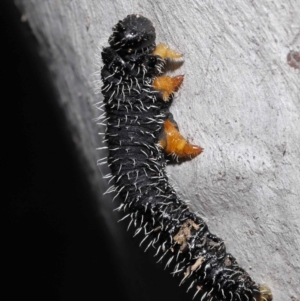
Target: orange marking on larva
[197, 263]
[164, 51]
[167, 84]
[173, 142]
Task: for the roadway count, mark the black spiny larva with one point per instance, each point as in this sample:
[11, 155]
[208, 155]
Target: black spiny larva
[140, 131]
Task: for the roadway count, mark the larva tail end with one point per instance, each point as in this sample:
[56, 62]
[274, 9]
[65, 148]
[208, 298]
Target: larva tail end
[264, 293]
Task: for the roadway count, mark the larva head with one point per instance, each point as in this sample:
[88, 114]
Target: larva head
[133, 33]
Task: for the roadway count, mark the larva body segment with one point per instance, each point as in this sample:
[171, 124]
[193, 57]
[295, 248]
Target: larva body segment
[137, 113]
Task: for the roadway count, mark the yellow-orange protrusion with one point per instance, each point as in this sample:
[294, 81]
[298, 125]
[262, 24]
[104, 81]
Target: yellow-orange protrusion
[164, 51]
[167, 84]
[174, 143]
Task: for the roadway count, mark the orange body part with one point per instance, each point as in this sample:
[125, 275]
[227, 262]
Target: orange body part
[164, 51]
[174, 143]
[167, 84]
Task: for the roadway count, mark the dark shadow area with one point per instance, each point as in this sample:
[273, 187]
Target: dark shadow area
[54, 250]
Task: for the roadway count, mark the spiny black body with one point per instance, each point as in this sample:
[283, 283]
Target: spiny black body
[135, 114]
